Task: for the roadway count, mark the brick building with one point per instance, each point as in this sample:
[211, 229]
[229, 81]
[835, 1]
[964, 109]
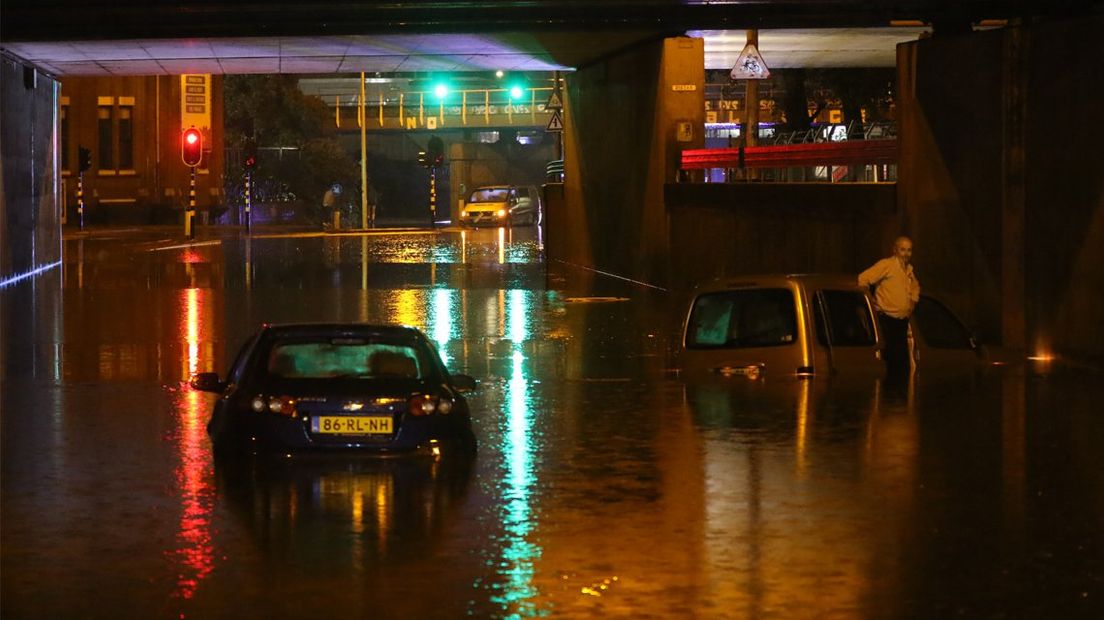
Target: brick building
[133, 127]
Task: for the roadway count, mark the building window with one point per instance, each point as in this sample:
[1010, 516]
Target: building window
[530, 137]
[64, 155]
[126, 137]
[106, 162]
[486, 137]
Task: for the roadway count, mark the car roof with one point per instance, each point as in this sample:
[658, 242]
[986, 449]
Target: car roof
[778, 280]
[280, 330]
[492, 187]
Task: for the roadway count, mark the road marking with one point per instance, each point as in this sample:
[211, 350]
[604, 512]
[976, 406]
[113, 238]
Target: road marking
[186, 245]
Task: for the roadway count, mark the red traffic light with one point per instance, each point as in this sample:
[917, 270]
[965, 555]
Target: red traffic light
[191, 146]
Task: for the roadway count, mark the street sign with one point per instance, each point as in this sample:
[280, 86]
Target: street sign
[555, 123]
[750, 65]
[555, 102]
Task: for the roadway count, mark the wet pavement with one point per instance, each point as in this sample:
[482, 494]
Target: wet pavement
[606, 485]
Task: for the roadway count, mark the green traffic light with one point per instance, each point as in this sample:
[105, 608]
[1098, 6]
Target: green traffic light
[516, 92]
[441, 91]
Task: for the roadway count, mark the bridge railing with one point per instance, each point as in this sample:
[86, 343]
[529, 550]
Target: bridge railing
[465, 108]
[831, 153]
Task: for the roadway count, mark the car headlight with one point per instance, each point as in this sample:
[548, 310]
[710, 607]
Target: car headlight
[502, 213]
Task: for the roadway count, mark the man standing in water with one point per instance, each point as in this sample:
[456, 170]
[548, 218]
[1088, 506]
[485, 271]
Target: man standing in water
[896, 292]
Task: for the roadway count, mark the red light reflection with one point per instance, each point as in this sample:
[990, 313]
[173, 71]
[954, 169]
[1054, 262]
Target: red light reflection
[194, 554]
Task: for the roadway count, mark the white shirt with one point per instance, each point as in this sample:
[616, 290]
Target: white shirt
[896, 289]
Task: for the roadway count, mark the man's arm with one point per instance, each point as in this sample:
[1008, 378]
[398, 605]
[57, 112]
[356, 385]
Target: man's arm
[872, 276]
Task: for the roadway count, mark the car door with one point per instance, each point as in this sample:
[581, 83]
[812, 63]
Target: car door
[846, 327]
[941, 342]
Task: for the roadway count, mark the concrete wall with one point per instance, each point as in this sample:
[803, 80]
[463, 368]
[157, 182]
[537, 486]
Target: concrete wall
[30, 206]
[1000, 180]
[719, 229]
[621, 147]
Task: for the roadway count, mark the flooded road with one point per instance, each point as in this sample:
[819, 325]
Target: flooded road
[606, 484]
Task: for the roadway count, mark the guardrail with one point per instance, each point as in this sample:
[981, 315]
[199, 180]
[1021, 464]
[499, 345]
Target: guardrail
[849, 152]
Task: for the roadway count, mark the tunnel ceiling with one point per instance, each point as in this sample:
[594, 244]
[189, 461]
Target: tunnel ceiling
[127, 37]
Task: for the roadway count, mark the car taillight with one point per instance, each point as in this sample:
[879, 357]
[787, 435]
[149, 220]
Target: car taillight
[444, 406]
[283, 405]
[280, 405]
[422, 404]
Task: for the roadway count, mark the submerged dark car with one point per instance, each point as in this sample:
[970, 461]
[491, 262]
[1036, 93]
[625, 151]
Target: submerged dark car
[379, 389]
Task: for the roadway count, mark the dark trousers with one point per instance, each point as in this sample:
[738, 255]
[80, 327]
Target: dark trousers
[896, 352]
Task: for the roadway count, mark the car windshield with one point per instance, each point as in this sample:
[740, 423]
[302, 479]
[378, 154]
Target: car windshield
[490, 194]
[346, 358]
[742, 318]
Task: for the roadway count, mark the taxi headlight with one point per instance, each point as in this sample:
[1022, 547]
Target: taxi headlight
[502, 213]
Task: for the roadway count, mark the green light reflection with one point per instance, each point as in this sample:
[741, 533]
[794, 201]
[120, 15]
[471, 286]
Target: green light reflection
[442, 320]
[518, 554]
[518, 597]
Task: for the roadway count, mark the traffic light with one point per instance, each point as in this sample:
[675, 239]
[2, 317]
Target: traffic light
[516, 92]
[435, 152]
[84, 158]
[191, 146]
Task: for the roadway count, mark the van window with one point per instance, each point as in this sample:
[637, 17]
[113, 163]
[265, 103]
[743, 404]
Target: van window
[850, 322]
[742, 319]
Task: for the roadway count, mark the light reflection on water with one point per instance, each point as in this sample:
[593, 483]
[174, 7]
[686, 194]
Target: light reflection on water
[194, 553]
[518, 597]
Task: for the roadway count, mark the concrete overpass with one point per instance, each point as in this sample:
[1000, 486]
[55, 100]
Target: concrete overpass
[1007, 216]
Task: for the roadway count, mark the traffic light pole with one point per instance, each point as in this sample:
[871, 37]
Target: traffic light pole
[189, 215]
[433, 197]
[248, 200]
[80, 200]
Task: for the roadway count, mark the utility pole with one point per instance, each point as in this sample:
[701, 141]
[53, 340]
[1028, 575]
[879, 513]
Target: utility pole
[362, 115]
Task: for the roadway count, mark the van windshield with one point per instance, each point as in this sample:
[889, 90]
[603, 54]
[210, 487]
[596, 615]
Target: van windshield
[742, 319]
[490, 194]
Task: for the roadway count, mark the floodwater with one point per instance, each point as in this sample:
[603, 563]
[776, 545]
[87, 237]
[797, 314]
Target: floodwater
[606, 485]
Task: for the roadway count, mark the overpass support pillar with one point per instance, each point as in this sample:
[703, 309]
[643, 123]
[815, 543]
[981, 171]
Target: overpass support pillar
[627, 118]
[999, 180]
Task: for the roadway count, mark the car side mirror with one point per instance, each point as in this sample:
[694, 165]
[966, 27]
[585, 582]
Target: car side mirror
[464, 383]
[207, 382]
[975, 338]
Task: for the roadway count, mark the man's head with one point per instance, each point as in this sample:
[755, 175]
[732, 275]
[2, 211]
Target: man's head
[902, 249]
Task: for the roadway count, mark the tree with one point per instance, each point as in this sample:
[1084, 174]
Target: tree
[271, 110]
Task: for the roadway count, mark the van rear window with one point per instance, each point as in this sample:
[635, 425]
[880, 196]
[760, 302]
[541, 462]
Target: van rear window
[742, 319]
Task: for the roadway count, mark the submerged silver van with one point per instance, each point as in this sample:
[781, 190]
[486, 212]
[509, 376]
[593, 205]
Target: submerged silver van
[808, 325]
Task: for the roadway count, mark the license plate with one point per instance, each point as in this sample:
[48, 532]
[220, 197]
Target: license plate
[351, 425]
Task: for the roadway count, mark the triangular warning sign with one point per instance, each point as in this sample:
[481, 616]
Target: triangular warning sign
[556, 122]
[554, 102]
[750, 65]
